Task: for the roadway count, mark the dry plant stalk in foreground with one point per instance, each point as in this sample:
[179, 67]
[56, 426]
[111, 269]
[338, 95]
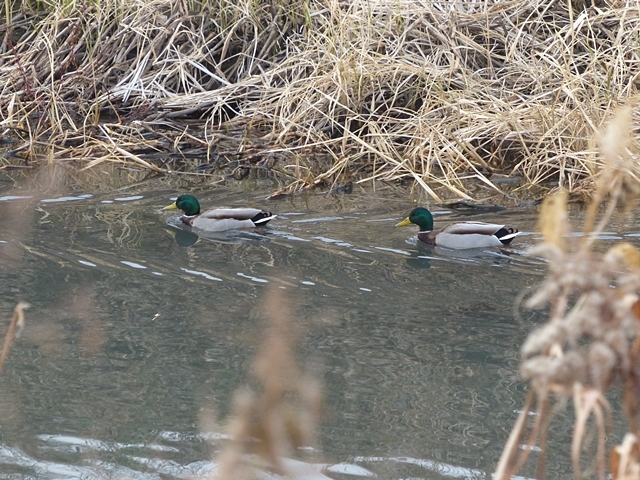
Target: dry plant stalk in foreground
[592, 338]
[284, 415]
[17, 322]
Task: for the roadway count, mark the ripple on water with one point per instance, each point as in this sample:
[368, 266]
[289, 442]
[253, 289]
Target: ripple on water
[201, 274]
[62, 199]
[170, 454]
[418, 349]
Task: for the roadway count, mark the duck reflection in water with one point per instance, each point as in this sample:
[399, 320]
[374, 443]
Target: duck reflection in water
[421, 258]
[183, 238]
[425, 254]
[186, 238]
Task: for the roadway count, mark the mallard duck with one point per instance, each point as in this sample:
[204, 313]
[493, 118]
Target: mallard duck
[459, 235]
[219, 219]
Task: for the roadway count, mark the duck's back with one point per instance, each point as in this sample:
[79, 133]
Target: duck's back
[475, 235]
[221, 219]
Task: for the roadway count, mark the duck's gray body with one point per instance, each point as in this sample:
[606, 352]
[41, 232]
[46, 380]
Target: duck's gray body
[458, 236]
[221, 219]
[470, 235]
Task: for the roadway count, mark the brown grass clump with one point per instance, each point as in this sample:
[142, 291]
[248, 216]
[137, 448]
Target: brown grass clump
[321, 91]
[592, 338]
[283, 416]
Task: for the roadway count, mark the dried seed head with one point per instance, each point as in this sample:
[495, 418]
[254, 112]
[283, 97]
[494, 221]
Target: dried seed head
[544, 371]
[618, 342]
[574, 368]
[541, 340]
[553, 219]
[623, 255]
[547, 291]
[601, 362]
[613, 143]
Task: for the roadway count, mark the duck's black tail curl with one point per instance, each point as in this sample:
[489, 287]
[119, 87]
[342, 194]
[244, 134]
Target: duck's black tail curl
[506, 234]
[263, 218]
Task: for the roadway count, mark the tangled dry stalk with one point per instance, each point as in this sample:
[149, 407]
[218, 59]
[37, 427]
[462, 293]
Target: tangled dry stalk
[327, 91]
[15, 329]
[284, 416]
[592, 338]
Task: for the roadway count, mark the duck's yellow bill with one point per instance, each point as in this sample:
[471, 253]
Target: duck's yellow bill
[173, 206]
[404, 223]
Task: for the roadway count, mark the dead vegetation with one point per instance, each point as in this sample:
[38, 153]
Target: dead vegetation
[591, 342]
[320, 91]
[15, 329]
[276, 422]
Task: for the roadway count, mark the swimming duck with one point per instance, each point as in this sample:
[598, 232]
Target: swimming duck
[219, 219]
[459, 235]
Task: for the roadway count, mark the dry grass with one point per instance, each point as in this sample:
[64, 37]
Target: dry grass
[328, 91]
[15, 328]
[592, 339]
[283, 416]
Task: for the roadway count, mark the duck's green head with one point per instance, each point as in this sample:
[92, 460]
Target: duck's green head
[419, 216]
[187, 203]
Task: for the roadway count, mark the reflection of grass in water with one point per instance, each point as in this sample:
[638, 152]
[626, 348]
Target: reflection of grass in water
[592, 339]
[282, 416]
[123, 224]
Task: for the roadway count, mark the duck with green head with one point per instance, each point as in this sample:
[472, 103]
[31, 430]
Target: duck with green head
[219, 219]
[460, 235]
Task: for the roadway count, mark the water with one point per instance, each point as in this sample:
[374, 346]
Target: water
[140, 332]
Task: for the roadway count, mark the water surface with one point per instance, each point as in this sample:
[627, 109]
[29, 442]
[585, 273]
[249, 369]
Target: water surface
[138, 328]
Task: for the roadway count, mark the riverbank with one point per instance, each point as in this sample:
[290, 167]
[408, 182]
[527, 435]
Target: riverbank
[321, 94]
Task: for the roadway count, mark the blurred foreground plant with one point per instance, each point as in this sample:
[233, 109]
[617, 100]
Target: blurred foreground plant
[592, 338]
[284, 415]
[15, 328]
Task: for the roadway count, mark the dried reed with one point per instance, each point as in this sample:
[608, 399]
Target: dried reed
[433, 92]
[592, 338]
[284, 415]
[15, 328]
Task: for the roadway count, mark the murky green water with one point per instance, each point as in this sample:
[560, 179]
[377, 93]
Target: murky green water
[137, 330]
